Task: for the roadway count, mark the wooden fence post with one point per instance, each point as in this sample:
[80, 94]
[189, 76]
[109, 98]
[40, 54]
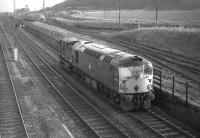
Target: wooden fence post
[186, 93]
[160, 80]
[173, 87]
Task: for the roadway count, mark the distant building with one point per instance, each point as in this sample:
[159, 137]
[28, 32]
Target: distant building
[23, 10]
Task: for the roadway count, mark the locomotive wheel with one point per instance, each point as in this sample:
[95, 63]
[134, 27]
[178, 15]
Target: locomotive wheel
[116, 99]
[100, 88]
[107, 93]
[71, 68]
[83, 76]
[146, 104]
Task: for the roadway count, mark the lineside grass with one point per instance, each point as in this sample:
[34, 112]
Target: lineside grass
[184, 41]
[189, 16]
[90, 24]
[176, 40]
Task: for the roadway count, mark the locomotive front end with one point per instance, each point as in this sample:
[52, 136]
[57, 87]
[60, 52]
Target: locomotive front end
[136, 79]
[136, 82]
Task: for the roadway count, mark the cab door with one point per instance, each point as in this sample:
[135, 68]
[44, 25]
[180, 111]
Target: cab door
[115, 79]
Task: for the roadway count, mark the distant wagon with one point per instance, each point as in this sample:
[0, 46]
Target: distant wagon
[34, 17]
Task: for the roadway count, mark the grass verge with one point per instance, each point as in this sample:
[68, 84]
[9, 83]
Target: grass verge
[176, 40]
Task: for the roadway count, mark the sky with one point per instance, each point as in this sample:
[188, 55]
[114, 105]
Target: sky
[7, 5]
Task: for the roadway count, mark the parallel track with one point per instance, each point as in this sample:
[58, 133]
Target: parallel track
[11, 120]
[160, 125]
[97, 124]
[156, 123]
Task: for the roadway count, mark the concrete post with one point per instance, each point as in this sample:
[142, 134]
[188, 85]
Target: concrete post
[173, 87]
[15, 52]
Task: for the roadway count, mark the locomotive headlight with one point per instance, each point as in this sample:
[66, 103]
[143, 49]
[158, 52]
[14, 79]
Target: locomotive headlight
[141, 75]
[149, 87]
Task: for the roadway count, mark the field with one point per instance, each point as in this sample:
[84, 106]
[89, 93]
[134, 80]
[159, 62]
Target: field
[175, 40]
[139, 25]
[131, 19]
[143, 15]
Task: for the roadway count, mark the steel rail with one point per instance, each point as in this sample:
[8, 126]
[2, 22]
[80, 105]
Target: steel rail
[151, 128]
[154, 130]
[173, 130]
[14, 92]
[185, 133]
[174, 127]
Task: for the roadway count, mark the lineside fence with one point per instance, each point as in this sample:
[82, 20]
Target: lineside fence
[176, 86]
[176, 101]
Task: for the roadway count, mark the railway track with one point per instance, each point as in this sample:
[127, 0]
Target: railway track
[157, 124]
[195, 64]
[160, 125]
[11, 120]
[96, 123]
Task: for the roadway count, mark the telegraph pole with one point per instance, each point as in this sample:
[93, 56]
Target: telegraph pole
[14, 7]
[15, 30]
[14, 10]
[156, 10]
[119, 4]
[43, 4]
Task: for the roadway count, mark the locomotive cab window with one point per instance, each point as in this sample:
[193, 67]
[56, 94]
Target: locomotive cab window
[126, 72]
[76, 57]
[129, 72]
[148, 70]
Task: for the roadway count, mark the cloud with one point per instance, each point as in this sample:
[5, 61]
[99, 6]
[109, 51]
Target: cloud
[7, 5]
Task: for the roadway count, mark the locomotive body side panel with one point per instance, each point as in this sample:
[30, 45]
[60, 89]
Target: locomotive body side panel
[100, 71]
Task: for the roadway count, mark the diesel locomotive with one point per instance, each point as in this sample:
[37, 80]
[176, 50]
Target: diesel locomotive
[124, 77]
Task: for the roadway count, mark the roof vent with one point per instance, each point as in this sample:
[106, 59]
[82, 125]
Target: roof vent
[92, 53]
[136, 58]
[107, 59]
[87, 42]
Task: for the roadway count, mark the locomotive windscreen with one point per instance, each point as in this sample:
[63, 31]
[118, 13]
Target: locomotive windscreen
[131, 61]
